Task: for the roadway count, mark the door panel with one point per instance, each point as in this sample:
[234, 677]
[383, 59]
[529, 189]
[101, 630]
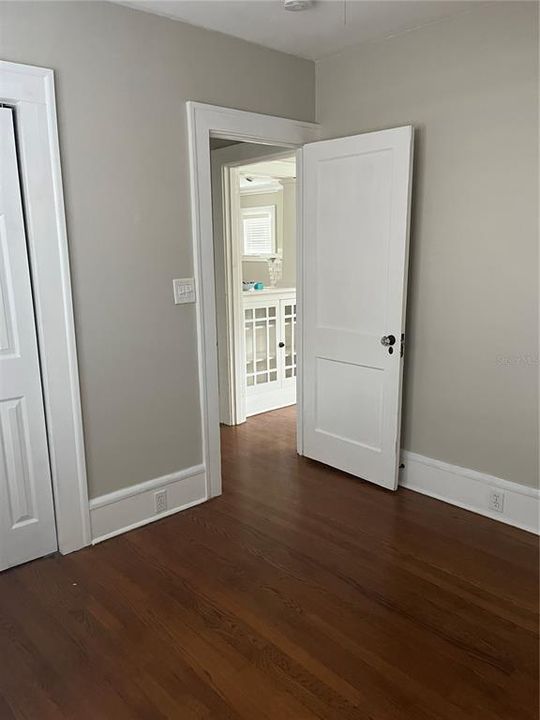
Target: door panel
[288, 315]
[27, 526]
[341, 390]
[356, 224]
[261, 325]
[354, 188]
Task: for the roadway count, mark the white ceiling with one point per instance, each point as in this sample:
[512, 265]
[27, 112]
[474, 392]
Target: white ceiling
[327, 27]
[282, 168]
[266, 174]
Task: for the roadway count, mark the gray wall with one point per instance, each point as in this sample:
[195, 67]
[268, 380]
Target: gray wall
[123, 77]
[469, 85]
[258, 270]
[289, 233]
[284, 202]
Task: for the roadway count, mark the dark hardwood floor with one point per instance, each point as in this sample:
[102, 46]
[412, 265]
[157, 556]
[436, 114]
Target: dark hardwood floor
[300, 593]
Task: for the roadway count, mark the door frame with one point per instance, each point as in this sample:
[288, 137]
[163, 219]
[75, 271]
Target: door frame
[230, 160]
[30, 91]
[205, 121]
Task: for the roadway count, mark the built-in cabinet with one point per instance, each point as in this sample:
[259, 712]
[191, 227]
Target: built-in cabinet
[269, 323]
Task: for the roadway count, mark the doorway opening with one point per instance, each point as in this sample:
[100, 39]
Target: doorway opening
[353, 232]
[254, 220]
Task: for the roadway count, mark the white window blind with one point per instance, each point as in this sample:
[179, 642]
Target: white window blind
[258, 225]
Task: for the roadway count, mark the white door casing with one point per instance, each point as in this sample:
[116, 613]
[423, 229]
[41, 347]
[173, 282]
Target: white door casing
[27, 523]
[205, 121]
[30, 90]
[356, 206]
[227, 276]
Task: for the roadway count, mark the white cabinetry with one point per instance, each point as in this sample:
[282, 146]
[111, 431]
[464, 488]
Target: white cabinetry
[269, 324]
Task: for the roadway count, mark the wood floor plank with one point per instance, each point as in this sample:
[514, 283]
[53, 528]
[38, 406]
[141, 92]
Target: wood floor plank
[300, 594]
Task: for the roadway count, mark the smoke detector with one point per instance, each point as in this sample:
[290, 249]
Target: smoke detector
[296, 5]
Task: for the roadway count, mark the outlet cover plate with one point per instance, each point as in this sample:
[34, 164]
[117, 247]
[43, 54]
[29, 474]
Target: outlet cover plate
[496, 500]
[160, 501]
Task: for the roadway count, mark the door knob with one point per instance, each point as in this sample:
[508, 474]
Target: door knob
[388, 340]
[281, 344]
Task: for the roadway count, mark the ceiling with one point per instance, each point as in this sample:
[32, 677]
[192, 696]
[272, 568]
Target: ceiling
[325, 28]
[265, 175]
[282, 168]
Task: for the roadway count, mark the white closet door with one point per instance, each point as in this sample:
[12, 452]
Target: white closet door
[27, 525]
[356, 196]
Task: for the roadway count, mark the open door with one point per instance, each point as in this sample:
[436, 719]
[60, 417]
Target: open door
[355, 218]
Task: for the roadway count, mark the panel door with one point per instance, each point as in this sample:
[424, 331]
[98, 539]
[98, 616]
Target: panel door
[27, 525]
[356, 197]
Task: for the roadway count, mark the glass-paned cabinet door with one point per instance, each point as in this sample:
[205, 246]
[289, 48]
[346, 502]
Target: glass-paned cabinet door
[261, 328]
[288, 313]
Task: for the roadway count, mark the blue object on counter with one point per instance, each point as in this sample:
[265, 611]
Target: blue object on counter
[259, 286]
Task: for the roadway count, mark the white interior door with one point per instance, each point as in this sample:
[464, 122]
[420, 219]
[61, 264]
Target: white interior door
[356, 199]
[27, 525]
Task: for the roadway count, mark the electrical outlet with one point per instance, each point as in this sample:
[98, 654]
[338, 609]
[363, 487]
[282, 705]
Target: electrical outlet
[496, 500]
[160, 501]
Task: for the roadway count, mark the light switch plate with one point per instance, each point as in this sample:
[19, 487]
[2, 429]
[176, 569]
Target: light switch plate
[184, 290]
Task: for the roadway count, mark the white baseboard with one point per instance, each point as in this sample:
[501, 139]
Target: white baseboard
[470, 489]
[134, 506]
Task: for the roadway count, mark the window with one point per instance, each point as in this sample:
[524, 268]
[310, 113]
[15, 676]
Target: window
[259, 231]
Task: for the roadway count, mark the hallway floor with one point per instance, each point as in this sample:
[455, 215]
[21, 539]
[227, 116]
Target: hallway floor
[300, 593]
